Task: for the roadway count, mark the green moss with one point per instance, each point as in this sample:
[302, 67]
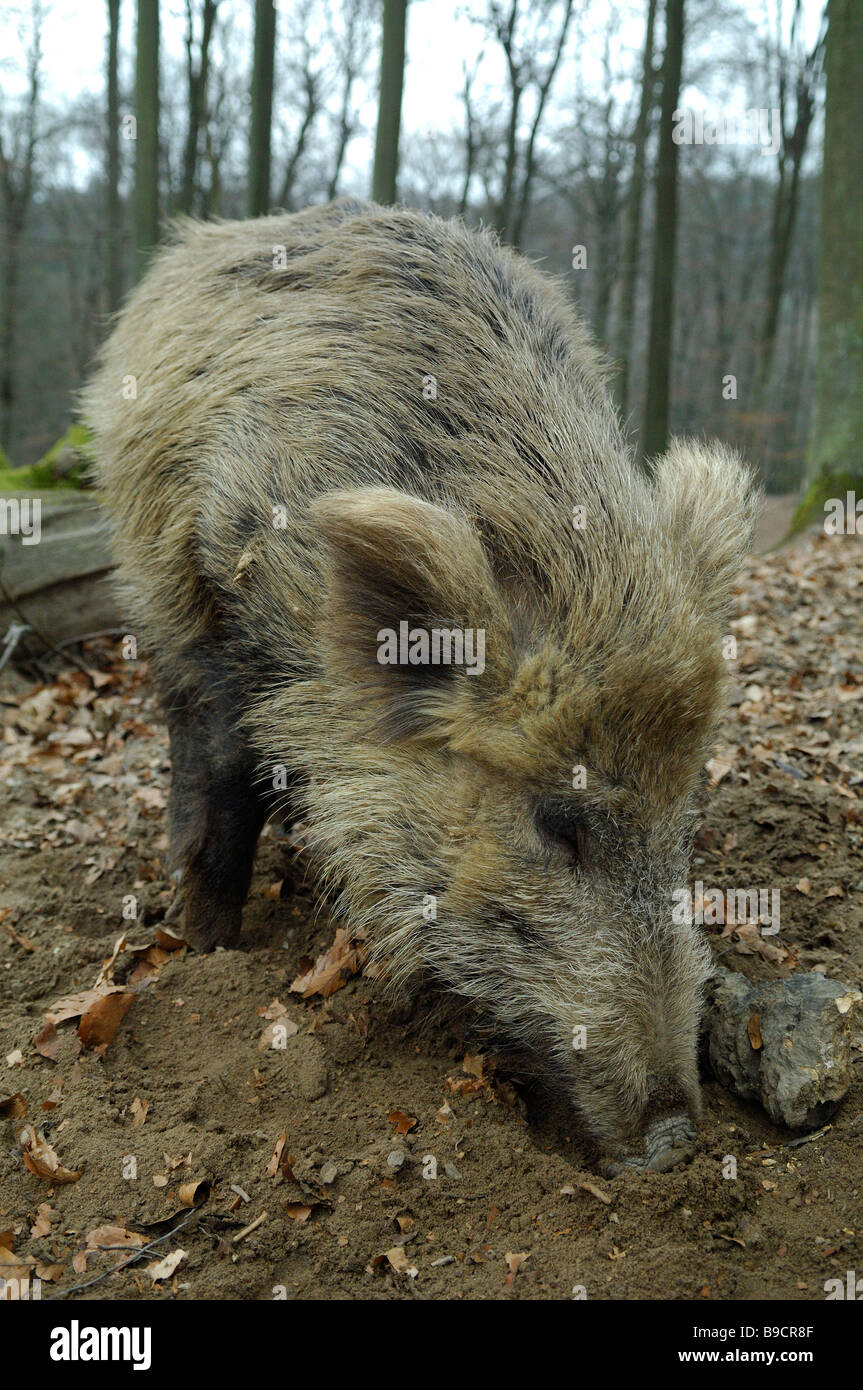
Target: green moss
[65, 465]
[826, 485]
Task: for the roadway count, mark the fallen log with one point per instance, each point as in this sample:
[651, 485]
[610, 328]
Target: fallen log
[61, 584]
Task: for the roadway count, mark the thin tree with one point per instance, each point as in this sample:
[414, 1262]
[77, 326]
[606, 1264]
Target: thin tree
[524, 70]
[792, 148]
[836, 449]
[632, 216]
[197, 77]
[544, 84]
[352, 48]
[146, 196]
[311, 81]
[471, 135]
[113, 214]
[260, 127]
[18, 148]
[655, 432]
[385, 172]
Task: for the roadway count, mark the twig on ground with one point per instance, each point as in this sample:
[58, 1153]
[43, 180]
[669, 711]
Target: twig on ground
[134, 1257]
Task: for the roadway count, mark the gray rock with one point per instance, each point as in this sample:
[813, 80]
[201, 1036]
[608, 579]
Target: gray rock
[804, 1025]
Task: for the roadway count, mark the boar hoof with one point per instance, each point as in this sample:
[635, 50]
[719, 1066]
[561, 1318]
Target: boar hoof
[207, 921]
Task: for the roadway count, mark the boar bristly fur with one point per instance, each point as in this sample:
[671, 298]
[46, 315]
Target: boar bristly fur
[313, 428]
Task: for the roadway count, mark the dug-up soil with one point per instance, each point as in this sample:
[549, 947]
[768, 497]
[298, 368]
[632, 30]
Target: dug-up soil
[377, 1154]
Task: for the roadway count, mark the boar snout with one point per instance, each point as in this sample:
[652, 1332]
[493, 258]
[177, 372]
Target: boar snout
[668, 1129]
[667, 1143]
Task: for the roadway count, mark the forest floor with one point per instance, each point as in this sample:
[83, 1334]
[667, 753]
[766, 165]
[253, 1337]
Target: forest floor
[311, 1163]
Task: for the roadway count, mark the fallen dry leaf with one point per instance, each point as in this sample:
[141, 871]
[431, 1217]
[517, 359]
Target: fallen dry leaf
[514, 1262]
[275, 1161]
[74, 1005]
[40, 1158]
[42, 1225]
[403, 1123]
[14, 1105]
[53, 1099]
[163, 1269]
[8, 1259]
[98, 1025]
[276, 1034]
[47, 1042]
[332, 970]
[105, 1237]
[192, 1194]
[138, 1110]
[398, 1260]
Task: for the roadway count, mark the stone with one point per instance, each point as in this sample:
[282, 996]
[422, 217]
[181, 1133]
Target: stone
[785, 1043]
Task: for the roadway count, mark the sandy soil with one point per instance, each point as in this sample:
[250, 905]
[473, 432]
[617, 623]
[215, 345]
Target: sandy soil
[319, 1154]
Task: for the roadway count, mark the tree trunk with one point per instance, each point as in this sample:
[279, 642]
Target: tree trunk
[341, 147]
[390, 103]
[197, 99]
[309, 114]
[655, 433]
[470, 141]
[523, 208]
[352, 65]
[17, 175]
[7, 330]
[258, 196]
[113, 215]
[146, 200]
[507, 195]
[836, 449]
[785, 200]
[632, 226]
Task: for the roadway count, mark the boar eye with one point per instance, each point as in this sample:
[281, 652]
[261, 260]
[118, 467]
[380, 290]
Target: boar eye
[562, 826]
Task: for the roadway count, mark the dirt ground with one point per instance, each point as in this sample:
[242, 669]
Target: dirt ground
[317, 1157]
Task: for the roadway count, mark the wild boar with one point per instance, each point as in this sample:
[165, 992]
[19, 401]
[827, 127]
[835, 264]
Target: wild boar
[394, 565]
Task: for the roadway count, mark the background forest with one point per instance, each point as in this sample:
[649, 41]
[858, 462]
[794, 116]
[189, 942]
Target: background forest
[663, 155]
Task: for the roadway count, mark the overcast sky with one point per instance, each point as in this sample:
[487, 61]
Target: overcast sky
[441, 35]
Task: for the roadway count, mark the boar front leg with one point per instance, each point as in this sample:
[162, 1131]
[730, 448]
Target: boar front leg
[216, 816]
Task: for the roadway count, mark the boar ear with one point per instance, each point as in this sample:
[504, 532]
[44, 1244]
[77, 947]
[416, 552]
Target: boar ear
[709, 501]
[394, 559]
